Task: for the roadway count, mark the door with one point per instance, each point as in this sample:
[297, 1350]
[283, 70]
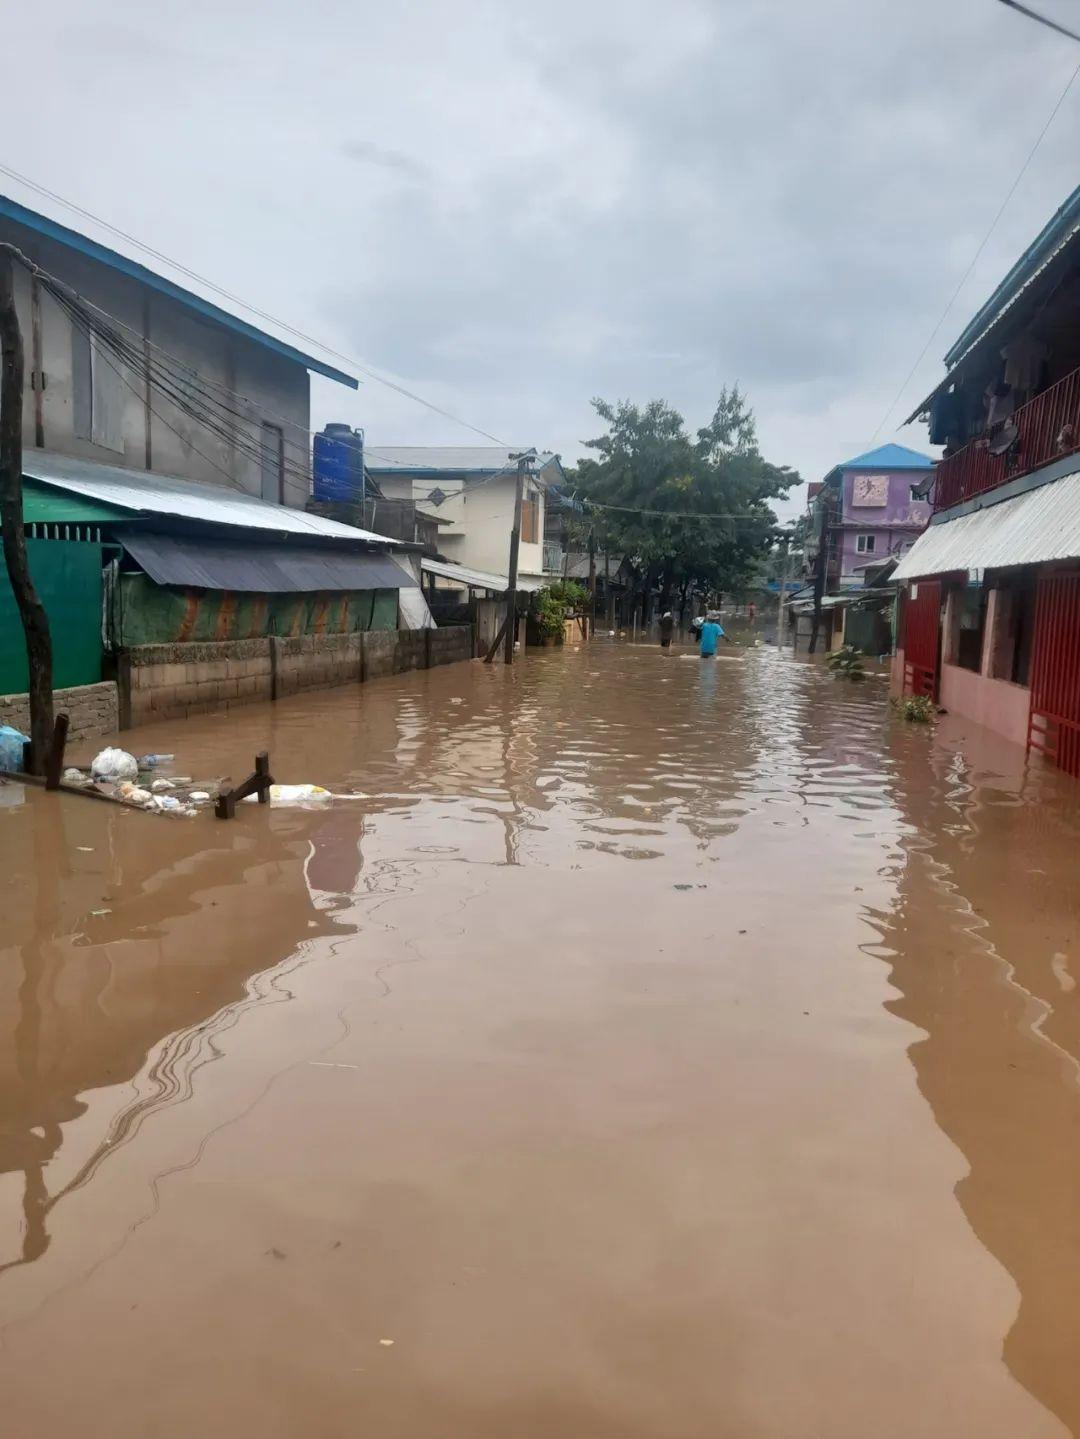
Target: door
[273, 464]
[1054, 721]
[922, 638]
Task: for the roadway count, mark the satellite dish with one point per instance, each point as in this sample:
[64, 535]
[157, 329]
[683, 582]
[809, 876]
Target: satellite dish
[1005, 438]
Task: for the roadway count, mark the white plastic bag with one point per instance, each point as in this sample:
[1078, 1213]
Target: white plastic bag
[299, 796]
[114, 765]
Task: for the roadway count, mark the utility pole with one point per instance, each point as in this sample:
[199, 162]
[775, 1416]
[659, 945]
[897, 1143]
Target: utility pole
[592, 582]
[821, 564]
[781, 609]
[35, 621]
[523, 461]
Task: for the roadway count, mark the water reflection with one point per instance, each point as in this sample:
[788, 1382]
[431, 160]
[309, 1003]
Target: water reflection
[981, 940]
[121, 949]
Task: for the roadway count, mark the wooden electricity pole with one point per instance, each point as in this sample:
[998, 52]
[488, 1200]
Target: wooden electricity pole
[781, 610]
[592, 584]
[35, 621]
[515, 541]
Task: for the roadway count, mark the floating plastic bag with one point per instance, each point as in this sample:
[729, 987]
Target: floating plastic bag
[299, 796]
[114, 765]
[11, 748]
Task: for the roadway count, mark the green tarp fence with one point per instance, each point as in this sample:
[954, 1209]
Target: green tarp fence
[145, 613]
[67, 577]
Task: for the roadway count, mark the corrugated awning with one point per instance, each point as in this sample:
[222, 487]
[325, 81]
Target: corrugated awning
[146, 492]
[480, 579]
[260, 568]
[467, 578]
[1029, 529]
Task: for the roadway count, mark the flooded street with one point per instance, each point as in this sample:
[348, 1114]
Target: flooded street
[658, 1049]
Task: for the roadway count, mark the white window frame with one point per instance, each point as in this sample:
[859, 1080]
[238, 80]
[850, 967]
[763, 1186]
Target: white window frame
[865, 544]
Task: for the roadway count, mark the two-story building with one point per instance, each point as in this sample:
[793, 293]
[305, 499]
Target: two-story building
[991, 592]
[166, 465]
[470, 489]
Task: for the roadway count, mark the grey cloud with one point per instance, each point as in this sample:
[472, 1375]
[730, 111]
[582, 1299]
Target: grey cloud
[367, 153]
[567, 199]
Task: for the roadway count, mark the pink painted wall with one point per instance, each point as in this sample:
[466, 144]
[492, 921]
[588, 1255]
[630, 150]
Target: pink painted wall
[997, 704]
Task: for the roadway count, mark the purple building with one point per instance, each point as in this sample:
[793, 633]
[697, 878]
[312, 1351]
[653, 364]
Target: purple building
[877, 510]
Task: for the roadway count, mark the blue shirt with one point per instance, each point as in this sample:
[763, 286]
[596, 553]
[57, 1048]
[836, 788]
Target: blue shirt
[710, 633]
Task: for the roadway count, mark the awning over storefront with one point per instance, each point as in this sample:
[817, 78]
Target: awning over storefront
[1030, 529]
[260, 568]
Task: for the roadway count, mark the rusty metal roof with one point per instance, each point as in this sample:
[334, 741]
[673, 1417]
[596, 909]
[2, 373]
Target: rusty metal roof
[1029, 529]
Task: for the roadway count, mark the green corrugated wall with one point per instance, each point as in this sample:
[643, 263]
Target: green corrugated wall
[152, 614]
[67, 576]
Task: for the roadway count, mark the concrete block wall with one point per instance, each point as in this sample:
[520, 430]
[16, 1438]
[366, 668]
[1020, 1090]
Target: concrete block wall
[92, 709]
[318, 662]
[448, 646]
[173, 681]
[159, 682]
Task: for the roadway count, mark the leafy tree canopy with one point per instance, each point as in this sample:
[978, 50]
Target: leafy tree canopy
[647, 461]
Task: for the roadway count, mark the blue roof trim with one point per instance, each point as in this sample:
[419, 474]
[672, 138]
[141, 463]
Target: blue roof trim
[53, 230]
[1055, 230]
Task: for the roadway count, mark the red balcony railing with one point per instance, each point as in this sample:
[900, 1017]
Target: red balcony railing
[1049, 427]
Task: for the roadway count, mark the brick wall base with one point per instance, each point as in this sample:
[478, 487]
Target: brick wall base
[159, 682]
[92, 709]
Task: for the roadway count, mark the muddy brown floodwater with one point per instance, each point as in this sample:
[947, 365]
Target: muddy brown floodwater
[660, 1049]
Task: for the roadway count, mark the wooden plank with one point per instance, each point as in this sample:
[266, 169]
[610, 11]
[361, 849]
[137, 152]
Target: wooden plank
[54, 760]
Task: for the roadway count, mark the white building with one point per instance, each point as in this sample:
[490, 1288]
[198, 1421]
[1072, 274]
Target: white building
[233, 408]
[472, 488]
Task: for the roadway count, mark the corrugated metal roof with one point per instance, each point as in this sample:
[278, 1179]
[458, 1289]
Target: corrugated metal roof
[261, 569]
[888, 457]
[455, 460]
[1058, 231]
[462, 575]
[143, 492]
[1029, 529]
[53, 230]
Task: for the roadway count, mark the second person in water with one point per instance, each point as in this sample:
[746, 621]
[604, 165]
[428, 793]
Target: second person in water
[711, 632]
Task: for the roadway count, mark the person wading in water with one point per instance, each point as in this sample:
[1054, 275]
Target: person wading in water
[667, 628]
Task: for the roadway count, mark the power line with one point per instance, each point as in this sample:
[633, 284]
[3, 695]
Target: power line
[978, 253]
[237, 300]
[1041, 19]
[77, 307]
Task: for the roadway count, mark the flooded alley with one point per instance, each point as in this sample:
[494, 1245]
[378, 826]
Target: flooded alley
[647, 1047]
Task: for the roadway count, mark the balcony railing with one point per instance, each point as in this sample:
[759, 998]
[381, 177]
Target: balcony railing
[1048, 427]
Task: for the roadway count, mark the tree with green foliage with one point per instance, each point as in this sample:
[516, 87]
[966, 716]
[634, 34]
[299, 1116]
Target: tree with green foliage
[687, 511]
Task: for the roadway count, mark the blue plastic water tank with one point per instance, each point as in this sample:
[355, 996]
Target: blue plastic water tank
[338, 463]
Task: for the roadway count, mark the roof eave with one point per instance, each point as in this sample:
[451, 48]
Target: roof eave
[63, 235]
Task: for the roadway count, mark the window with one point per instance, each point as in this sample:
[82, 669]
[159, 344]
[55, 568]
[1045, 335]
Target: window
[273, 463]
[915, 493]
[530, 519]
[97, 392]
[865, 544]
[969, 618]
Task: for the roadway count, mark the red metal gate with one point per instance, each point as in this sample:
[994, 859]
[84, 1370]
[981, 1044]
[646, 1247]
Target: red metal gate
[1054, 721]
[921, 637]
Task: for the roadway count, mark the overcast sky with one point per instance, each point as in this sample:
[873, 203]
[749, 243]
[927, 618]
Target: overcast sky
[514, 206]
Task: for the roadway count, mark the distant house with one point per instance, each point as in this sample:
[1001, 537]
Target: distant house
[471, 490]
[878, 509]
